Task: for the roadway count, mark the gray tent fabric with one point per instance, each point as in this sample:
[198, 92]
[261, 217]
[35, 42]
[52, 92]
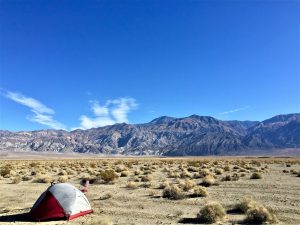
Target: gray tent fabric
[70, 198]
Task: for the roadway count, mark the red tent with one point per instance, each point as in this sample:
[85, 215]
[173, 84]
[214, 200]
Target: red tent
[60, 201]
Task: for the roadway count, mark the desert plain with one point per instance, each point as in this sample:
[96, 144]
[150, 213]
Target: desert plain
[153, 190]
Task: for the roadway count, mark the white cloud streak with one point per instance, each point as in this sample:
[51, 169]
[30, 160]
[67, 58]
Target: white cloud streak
[113, 111]
[41, 113]
[235, 110]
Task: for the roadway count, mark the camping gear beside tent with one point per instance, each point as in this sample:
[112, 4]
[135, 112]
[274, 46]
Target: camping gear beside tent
[60, 201]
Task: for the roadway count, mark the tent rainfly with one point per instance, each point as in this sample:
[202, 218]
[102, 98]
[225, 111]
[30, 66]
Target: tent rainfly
[60, 201]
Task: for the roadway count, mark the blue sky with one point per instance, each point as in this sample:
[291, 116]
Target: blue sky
[80, 64]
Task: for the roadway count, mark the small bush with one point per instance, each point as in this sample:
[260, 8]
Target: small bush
[212, 213]
[43, 179]
[199, 192]
[226, 178]
[226, 168]
[188, 185]
[6, 170]
[125, 173]
[163, 185]
[208, 180]
[131, 185]
[245, 205]
[26, 178]
[173, 192]
[146, 178]
[218, 171]
[62, 179]
[256, 175]
[108, 176]
[62, 173]
[146, 185]
[259, 215]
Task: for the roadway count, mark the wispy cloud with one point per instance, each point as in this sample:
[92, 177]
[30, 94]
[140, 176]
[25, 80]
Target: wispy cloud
[235, 110]
[113, 111]
[41, 113]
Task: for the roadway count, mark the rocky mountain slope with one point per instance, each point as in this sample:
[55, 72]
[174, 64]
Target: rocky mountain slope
[193, 135]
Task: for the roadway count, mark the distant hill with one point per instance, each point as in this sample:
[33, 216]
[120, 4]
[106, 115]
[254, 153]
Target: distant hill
[168, 136]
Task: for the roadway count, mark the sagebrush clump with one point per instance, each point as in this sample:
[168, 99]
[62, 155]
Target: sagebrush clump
[212, 213]
[173, 192]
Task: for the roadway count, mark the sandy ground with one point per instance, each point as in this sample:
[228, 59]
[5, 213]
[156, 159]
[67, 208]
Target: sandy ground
[145, 206]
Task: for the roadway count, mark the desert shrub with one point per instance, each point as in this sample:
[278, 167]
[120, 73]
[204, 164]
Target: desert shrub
[256, 175]
[298, 175]
[137, 172]
[185, 174]
[188, 185]
[226, 178]
[173, 192]
[71, 172]
[108, 176]
[199, 192]
[208, 180]
[119, 169]
[62, 179]
[146, 178]
[125, 173]
[163, 185]
[218, 171]
[146, 185]
[26, 178]
[34, 164]
[43, 179]
[131, 185]
[235, 177]
[173, 174]
[259, 215]
[226, 168]
[245, 205]
[93, 165]
[6, 170]
[62, 172]
[212, 213]
[192, 169]
[16, 180]
[204, 173]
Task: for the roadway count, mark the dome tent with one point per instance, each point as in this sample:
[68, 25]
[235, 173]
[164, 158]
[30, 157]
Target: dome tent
[60, 201]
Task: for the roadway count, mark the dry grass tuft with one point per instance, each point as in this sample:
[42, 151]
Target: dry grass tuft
[146, 178]
[108, 176]
[212, 213]
[131, 185]
[256, 175]
[187, 185]
[208, 180]
[199, 192]
[173, 192]
[259, 215]
[62, 179]
[43, 179]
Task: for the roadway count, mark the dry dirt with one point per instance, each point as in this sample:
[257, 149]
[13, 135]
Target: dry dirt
[144, 205]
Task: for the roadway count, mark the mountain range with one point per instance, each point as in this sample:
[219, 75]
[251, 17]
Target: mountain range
[166, 136]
